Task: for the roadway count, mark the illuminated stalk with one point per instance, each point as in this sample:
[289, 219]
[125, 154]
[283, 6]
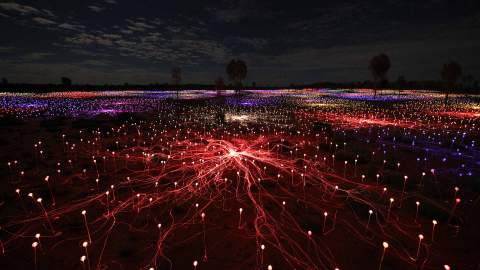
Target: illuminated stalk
[292, 175]
[50, 190]
[10, 170]
[420, 238]
[108, 203]
[39, 200]
[325, 214]
[96, 168]
[240, 210]
[84, 214]
[34, 246]
[370, 212]
[38, 239]
[85, 246]
[112, 187]
[417, 203]
[21, 201]
[114, 162]
[138, 203]
[335, 188]
[303, 186]
[403, 189]
[262, 248]
[385, 246]
[96, 182]
[83, 258]
[390, 207]
[204, 239]
[456, 189]
[457, 201]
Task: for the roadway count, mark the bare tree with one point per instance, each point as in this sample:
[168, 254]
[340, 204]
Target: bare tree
[66, 81]
[450, 73]
[379, 66]
[176, 74]
[219, 84]
[237, 71]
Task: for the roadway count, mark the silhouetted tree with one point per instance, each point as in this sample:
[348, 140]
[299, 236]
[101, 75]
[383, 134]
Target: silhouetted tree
[450, 73]
[237, 71]
[66, 81]
[219, 84]
[176, 74]
[379, 66]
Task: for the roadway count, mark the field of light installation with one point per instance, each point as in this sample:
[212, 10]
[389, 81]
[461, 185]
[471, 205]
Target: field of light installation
[284, 179]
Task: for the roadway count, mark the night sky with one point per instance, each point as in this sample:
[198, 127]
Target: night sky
[282, 42]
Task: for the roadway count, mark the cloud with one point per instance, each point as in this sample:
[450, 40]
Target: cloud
[23, 9]
[300, 44]
[71, 26]
[139, 25]
[48, 12]
[35, 56]
[81, 39]
[87, 38]
[112, 36]
[128, 32]
[96, 8]
[43, 21]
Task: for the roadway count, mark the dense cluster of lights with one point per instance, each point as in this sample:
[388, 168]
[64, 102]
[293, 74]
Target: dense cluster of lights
[280, 179]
